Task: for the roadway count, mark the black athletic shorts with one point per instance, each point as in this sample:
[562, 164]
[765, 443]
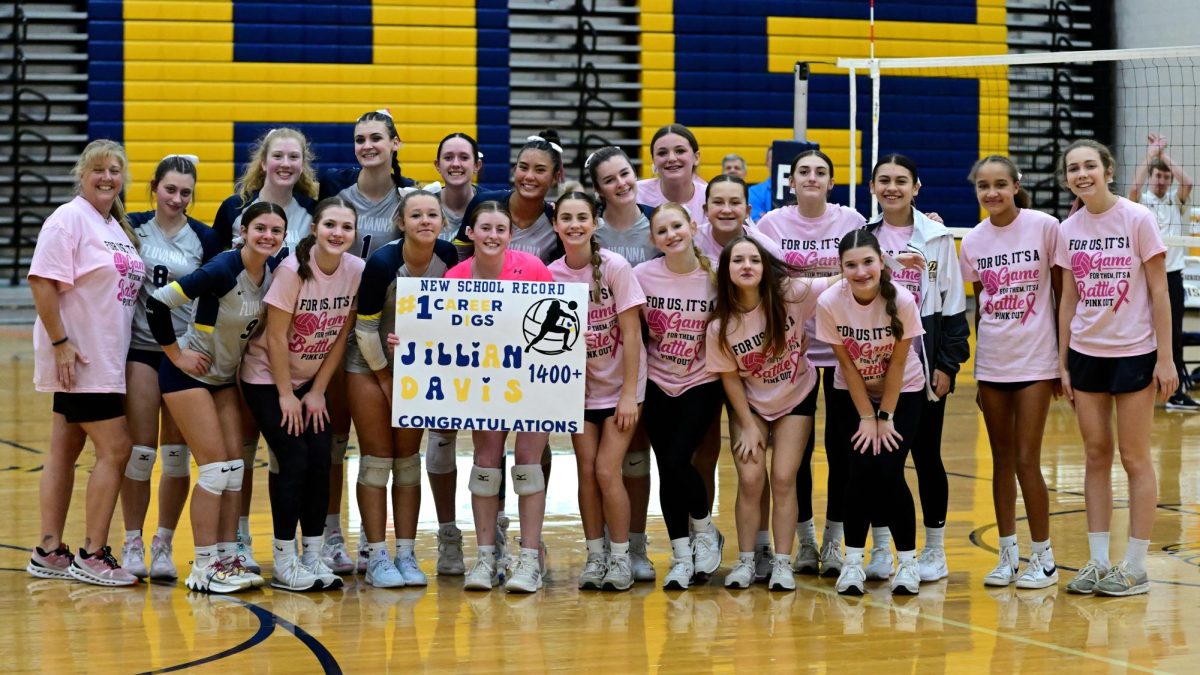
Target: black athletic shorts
[1117, 375]
[79, 408]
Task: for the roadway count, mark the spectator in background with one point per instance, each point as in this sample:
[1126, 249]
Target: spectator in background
[1152, 189]
[760, 194]
[734, 164]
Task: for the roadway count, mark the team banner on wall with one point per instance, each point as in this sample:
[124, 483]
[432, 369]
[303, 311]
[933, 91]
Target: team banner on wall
[490, 355]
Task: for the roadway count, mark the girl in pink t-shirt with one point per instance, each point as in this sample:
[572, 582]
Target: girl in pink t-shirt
[682, 397]
[1114, 345]
[1009, 259]
[285, 374]
[756, 342]
[489, 228]
[727, 205]
[676, 157]
[871, 323]
[808, 234]
[85, 278]
[616, 387]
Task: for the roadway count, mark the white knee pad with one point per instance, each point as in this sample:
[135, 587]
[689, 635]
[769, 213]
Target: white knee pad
[237, 471]
[439, 451]
[484, 482]
[636, 464]
[374, 471]
[338, 451]
[175, 461]
[141, 463]
[528, 479]
[407, 471]
[213, 477]
[249, 451]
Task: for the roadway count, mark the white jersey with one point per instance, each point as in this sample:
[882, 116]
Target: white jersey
[1168, 211]
[167, 258]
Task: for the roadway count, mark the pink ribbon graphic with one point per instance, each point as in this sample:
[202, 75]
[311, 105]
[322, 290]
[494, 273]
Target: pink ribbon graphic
[1122, 293]
[1029, 300]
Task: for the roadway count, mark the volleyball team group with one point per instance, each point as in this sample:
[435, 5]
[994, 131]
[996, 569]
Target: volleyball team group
[163, 339]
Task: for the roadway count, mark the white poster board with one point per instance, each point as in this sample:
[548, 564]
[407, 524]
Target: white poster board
[480, 355]
[1191, 282]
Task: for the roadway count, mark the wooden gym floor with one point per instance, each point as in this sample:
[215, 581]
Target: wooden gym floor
[953, 626]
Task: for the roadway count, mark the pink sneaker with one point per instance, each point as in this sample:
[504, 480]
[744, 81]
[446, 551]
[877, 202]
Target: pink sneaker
[53, 565]
[100, 568]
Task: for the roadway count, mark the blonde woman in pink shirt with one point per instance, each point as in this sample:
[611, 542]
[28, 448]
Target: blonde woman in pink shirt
[755, 341]
[1114, 345]
[1009, 257]
[85, 277]
[808, 234]
[616, 387]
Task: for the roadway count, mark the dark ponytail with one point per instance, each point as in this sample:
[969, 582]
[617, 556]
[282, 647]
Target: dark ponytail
[304, 248]
[1021, 198]
[887, 290]
[547, 141]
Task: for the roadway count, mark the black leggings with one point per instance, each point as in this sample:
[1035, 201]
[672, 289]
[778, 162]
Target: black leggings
[927, 458]
[676, 426]
[876, 490]
[300, 487]
[836, 483]
[1175, 294]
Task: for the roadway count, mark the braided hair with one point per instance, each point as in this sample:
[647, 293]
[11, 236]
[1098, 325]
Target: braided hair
[389, 124]
[595, 245]
[304, 248]
[705, 263]
[887, 289]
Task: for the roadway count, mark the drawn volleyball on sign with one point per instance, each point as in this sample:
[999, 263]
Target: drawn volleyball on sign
[551, 326]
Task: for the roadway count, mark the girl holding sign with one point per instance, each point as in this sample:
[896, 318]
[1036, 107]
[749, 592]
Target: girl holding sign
[388, 452]
[808, 234]
[489, 228]
[616, 387]
[197, 380]
[1009, 259]
[755, 341]
[682, 397]
[284, 378]
[1114, 346]
[871, 322]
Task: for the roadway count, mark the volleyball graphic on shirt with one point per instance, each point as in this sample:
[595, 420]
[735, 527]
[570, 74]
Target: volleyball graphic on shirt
[306, 324]
[1081, 264]
[990, 280]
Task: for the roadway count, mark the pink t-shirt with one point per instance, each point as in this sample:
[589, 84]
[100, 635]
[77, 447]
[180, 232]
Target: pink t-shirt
[518, 265]
[711, 248]
[319, 308]
[774, 384]
[619, 291]
[99, 275]
[811, 244]
[676, 310]
[1106, 253]
[1016, 338]
[894, 240]
[866, 333]
[650, 193]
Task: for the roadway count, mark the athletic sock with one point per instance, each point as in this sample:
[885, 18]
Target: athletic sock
[312, 548]
[762, 539]
[881, 537]
[702, 524]
[1007, 542]
[619, 549]
[935, 537]
[405, 546]
[1098, 547]
[243, 527]
[1135, 555]
[166, 535]
[833, 531]
[806, 531]
[595, 546]
[681, 548]
[746, 557]
[854, 556]
[205, 556]
[226, 549]
[333, 523]
[373, 548]
[130, 535]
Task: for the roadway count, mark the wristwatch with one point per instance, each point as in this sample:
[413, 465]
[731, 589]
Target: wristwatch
[884, 415]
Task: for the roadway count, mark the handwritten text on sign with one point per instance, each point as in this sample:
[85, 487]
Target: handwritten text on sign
[490, 355]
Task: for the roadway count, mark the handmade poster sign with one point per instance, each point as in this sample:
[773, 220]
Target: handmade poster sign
[490, 355]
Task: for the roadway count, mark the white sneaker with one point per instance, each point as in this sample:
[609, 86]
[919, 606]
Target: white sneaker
[643, 568]
[161, 564]
[246, 553]
[482, 576]
[782, 577]
[852, 579]
[526, 575]
[382, 572]
[706, 552]
[211, 579]
[1006, 570]
[237, 573]
[932, 564]
[316, 565]
[363, 558]
[680, 576]
[1041, 571]
[594, 569]
[763, 559]
[741, 576]
[450, 553]
[831, 559]
[334, 554]
[619, 576]
[290, 575]
[407, 564]
[133, 557]
[882, 564]
[908, 578]
[808, 559]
